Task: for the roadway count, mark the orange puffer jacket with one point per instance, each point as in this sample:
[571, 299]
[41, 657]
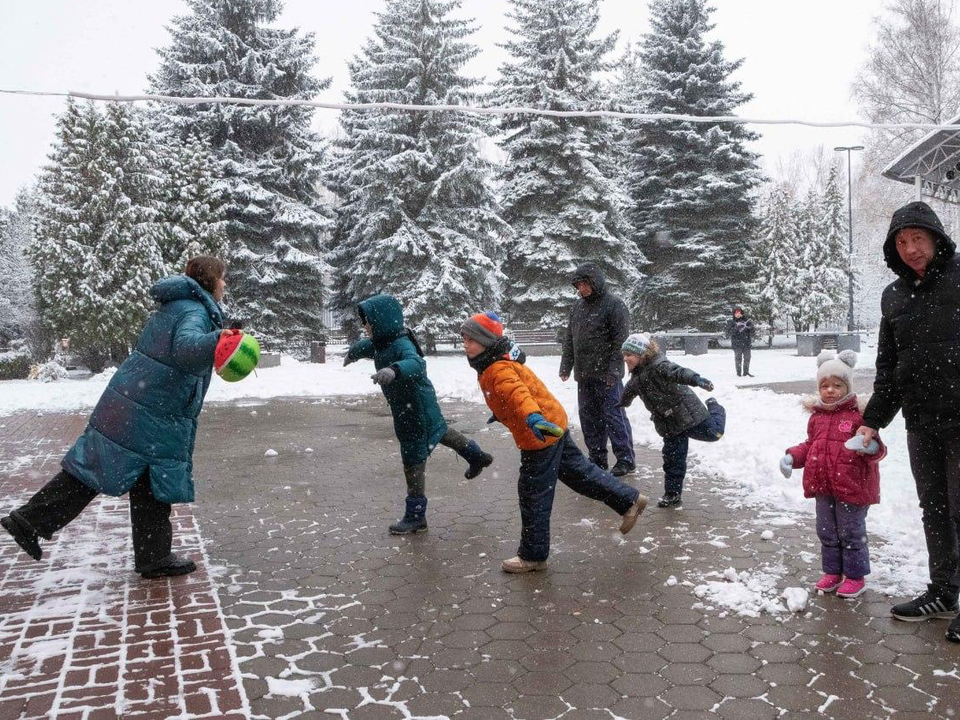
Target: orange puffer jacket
[512, 392]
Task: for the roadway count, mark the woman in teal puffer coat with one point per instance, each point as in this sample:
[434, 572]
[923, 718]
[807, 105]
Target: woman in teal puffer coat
[417, 421]
[140, 436]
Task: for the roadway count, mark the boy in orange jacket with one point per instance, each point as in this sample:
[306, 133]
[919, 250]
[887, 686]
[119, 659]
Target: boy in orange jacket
[519, 400]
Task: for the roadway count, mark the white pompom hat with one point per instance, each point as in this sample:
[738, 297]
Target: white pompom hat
[830, 364]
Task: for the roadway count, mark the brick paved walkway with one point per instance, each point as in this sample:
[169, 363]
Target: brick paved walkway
[81, 635]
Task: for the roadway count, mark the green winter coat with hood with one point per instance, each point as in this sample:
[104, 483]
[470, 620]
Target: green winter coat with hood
[417, 420]
[146, 419]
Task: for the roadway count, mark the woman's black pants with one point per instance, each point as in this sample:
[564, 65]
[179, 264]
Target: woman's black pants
[58, 502]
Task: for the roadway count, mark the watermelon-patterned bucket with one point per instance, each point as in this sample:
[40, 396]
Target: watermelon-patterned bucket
[236, 356]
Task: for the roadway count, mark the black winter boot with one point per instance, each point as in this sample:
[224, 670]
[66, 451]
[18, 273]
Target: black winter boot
[477, 458]
[168, 567]
[670, 500]
[23, 533]
[622, 467]
[414, 519]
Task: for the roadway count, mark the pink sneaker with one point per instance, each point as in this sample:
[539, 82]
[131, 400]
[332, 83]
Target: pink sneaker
[851, 588]
[828, 583]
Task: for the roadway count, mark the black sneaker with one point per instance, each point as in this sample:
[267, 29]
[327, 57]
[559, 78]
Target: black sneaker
[21, 531]
[927, 606]
[623, 467]
[670, 500]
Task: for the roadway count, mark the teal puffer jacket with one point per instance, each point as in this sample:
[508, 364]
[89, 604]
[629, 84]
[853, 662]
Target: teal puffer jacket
[417, 420]
[147, 416]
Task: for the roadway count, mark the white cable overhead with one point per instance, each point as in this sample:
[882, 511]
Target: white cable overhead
[491, 110]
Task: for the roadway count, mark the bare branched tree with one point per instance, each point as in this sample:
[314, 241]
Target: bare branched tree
[912, 70]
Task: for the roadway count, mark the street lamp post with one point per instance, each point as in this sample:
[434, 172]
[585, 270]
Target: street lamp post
[848, 150]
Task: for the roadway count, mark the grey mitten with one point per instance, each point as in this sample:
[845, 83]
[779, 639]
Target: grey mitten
[705, 384]
[347, 360]
[786, 465]
[384, 376]
[856, 444]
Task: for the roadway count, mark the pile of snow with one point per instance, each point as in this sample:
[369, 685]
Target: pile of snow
[796, 599]
[291, 688]
[746, 594]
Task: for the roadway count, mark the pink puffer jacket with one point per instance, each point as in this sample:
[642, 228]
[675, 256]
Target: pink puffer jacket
[828, 467]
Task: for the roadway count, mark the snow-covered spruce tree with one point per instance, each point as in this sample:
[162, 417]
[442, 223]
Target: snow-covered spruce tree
[271, 159]
[95, 251]
[418, 217]
[775, 254]
[821, 266]
[17, 302]
[559, 191]
[691, 186]
[191, 211]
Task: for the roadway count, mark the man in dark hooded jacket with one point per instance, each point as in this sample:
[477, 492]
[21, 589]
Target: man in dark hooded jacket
[598, 325]
[918, 372]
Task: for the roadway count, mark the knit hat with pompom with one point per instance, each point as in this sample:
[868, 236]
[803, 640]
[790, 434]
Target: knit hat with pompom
[830, 364]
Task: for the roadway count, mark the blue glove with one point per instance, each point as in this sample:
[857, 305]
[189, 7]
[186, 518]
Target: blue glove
[705, 384]
[856, 444]
[384, 376]
[786, 465]
[538, 424]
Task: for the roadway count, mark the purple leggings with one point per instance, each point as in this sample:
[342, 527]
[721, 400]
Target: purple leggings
[842, 529]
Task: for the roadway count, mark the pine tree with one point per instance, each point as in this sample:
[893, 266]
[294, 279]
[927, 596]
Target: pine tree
[17, 304]
[95, 252]
[192, 213]
[691, 184]
[271, 158]
[559, 188]
[418, 218]
[775, 256]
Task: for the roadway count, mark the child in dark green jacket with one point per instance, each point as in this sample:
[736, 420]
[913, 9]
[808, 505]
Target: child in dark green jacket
[417, 421]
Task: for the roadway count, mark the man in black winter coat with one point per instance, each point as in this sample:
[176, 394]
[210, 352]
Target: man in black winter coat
[598, 325]
[918, 372]
[740, 330]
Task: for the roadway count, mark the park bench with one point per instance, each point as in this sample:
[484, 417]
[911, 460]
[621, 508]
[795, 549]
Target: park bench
[810, 344]
[536, 341]
[692, 343]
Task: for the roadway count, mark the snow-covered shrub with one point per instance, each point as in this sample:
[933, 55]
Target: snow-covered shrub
[48, 372]
[14, 365]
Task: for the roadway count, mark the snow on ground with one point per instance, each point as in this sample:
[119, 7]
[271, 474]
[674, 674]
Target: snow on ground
[761, 424]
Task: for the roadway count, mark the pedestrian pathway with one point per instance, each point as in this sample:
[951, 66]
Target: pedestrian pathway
[329, 616]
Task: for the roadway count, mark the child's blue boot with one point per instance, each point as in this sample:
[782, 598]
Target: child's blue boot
[414, 519]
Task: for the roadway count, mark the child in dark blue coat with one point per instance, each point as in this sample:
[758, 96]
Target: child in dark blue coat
[417, 420]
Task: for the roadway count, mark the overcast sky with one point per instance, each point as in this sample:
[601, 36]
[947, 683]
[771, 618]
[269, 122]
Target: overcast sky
[800, 59]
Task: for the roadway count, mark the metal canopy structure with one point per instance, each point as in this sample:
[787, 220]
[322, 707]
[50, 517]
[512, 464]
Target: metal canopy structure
[931, 165]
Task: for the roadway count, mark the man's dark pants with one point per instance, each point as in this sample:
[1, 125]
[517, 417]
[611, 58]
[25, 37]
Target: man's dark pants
[539, 472]
[741, 357]
[935, 463]
[58, 502]
[601, 417]
[675, 447]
